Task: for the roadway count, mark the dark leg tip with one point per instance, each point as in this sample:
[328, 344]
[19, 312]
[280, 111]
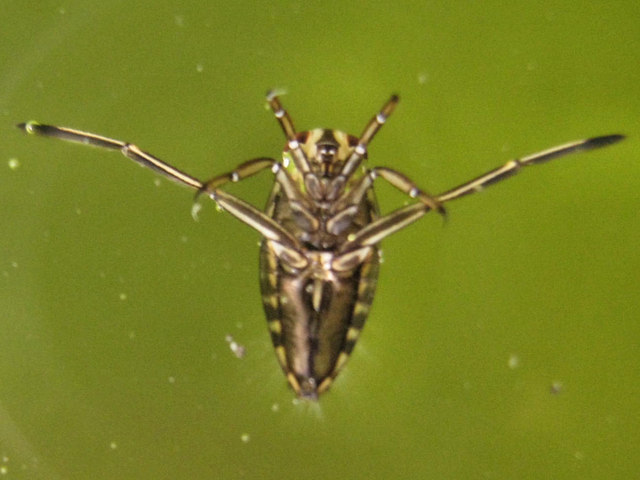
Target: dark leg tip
[603, 141]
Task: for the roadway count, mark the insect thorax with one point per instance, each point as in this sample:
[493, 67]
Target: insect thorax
[321, 214]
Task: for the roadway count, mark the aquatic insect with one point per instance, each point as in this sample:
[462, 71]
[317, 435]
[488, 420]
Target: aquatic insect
[321, 228]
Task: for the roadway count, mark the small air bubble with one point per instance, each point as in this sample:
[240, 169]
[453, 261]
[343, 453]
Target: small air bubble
[513, 362]
[171, 380]
[113, 445]
[14, 163]
[4, 470]
[556, 387]
[195, 211]
[238, 350]
[275, 407]
[199, 68]
[245, 437]
[122, 296]
[157, 182]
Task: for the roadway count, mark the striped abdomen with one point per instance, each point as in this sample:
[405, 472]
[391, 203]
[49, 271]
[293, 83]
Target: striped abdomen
[315, 315]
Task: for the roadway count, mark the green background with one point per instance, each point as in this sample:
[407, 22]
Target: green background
[115, 304]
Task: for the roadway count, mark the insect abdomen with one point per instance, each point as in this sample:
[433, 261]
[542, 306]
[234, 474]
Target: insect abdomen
[315, 323]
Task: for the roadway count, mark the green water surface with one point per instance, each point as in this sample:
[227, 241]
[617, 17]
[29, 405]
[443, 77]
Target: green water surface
[502, 344]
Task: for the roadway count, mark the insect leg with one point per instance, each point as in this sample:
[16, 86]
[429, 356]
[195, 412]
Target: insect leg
[127, 149]
[374, 125]
[513, 166]
[242, 171]
[398, 219]
[250, 168]
[296, 198]
[384, 226]
[299, 157]
[346, 208]
[405, 185]
[281, 115]
[287, 245]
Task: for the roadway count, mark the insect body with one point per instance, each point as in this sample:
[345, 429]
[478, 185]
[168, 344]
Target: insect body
[321, 230]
